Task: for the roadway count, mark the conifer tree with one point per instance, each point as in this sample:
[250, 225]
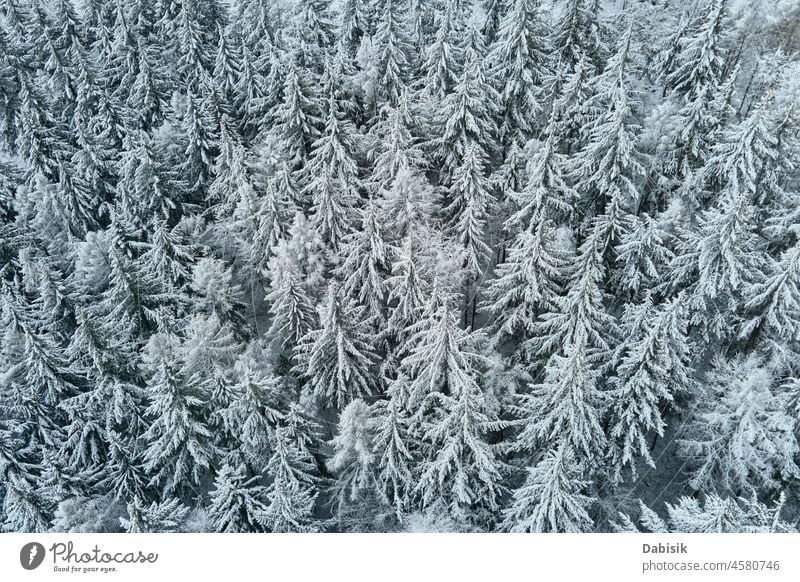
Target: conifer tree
[338, 358]
[517, 60]
[653, 371]
[365, 265]
[293, 492]
[180, 450]
[237, 503]
[332, 178]
[392, 446]
[551, 500]
[393, 50]
[742, 437]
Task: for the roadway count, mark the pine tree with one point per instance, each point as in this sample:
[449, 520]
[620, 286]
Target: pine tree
[254, 412]
[442, 357]
[460, 473]
[365, 265]
[607, 168]
[355, 23]
[354, 466]
[547, 193]
[293, 314]
[653, 371]
[293, 492]
[180, 450]
[577, 37]
[399, 150]
[551, 500]
[517, 62]
[156, 517]
[338, 359]
[237, 503]
[392, 443]
[471, 207]
[332, 178]
[580, 318]
[715, 515]
[698, 81]
[313, 33]
[642, 256]
[773, 306]
[467, 119]
[741, 440]
[297, 118]
[568, 407]
[495, 11]
[443, 59]
[393, 51]
[527, 283]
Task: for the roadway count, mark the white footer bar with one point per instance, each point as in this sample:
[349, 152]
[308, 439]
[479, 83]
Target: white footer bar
[413, 557]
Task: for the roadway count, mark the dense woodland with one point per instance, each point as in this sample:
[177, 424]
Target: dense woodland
[399, 265]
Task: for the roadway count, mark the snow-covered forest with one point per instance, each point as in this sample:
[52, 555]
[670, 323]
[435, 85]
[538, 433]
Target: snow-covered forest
[399, 265]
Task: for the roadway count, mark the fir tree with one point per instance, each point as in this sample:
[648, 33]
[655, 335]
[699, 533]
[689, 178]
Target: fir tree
[338, 359]
[237, 503]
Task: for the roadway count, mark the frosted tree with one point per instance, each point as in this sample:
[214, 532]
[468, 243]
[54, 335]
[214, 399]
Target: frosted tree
[292, 310]
[398, 149]
[607, 167]
[698, 81]
[460, 474]
[773, 306]
[471, 205]
[237, 503]
[714, 515]
[568, 406]
[466, 118]
[354, 465]
[442, 355]
[302, 253]
[392, 447]
[195, 62]
[527, 283]
[354, 23]
[407, 292]
[217, 292]
[652, 371]
[495, 11]
[141, 188]
[155, 517]
[254, 411]
[198, 125]
[393, 51]
[642, 256]
[365, 264]
[314, 32]
[551, 499]
[339, 357]
[580, 317]
[148, 97]
[293, 492]
[547, 193]
[741, 440]
[297, 117]
[729, 255]
[333, 182]
[517, 61]
[180, 450]
[578, 38]
[443, 61]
